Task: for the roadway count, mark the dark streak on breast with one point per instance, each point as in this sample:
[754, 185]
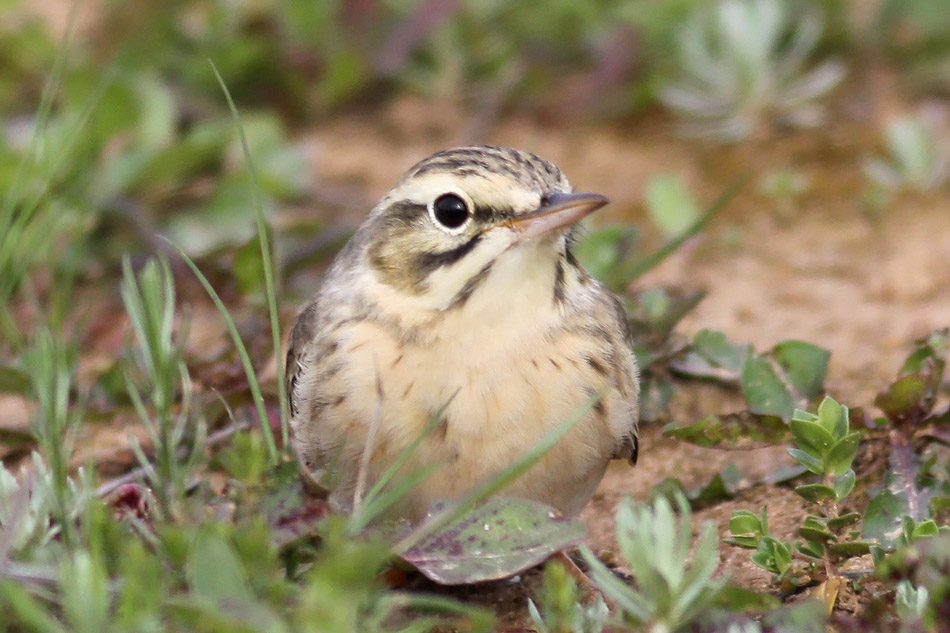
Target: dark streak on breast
[559, 282]
[443, 427]
[471, 286]
[596, 365]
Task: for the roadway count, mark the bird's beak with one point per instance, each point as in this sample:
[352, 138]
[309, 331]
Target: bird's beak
[562, 209]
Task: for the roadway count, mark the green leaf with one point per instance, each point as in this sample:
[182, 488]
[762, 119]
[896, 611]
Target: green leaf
[882, 518]
[742, 430]
[815, 529]
[904, 398]
[849, 549]
[817, 493]
[939, 505]
[773, 555]
[499, 538]
[834, 417]
[670, 204]
[930, 351]
[839, 458]
[813, 464]
[712, 356]
[844, 520]
[924, 529]
[745, 523]
[815, 549]
[214, 571]
[739, 599]
[804, 416]
[764, 391]
[721, 486]
[812, 438]
[716, 348]
[805, 366]
[844, 484]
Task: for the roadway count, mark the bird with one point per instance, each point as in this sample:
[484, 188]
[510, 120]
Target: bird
[458, 313]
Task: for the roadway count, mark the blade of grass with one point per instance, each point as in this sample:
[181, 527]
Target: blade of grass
[43, 114]
[242, 352]
[496, 483]
[375, 502]
[372, 508]
[641, 266]
[266, 261]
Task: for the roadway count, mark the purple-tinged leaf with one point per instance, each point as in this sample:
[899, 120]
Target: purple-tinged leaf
[500, 538]
[292, 511]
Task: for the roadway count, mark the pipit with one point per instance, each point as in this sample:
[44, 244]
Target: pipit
[458, 300]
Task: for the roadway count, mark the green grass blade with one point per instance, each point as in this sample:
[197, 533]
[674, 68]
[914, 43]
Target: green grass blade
[266, 260]
[373, 508]
[496, 483]
[641, 266]
[242, 352]
[372, 500]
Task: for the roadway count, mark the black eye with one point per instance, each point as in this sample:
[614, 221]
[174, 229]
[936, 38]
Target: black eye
[450, 211]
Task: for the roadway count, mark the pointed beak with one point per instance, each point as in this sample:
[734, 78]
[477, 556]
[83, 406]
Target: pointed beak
[560, 210]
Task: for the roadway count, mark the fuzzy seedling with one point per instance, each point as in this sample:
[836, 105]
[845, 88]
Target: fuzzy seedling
[672, 585]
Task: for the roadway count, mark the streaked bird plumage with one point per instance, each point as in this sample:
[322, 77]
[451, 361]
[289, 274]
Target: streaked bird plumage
[459, 297]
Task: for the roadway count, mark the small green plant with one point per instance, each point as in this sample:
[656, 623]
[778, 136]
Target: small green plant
[51, 364]
[561, 607]
[742, 65]
[918, 156]
[160, 386]
[31, 506]
[826, 446]
[672, 585]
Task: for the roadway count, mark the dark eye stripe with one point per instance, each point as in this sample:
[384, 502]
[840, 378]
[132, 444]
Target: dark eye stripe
[428, 262]
[405, 211]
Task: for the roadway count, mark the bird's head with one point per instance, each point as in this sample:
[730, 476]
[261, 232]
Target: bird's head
[443, 227]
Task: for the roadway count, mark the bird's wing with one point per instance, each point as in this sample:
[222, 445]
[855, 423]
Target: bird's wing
[300, 339]
[628, 378]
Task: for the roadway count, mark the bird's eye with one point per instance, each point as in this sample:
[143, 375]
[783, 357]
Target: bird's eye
[450, 211]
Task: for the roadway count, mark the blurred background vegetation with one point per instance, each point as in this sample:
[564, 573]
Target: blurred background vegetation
[138, 140]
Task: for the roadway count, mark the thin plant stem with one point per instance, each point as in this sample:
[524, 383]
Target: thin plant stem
[267, 263]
